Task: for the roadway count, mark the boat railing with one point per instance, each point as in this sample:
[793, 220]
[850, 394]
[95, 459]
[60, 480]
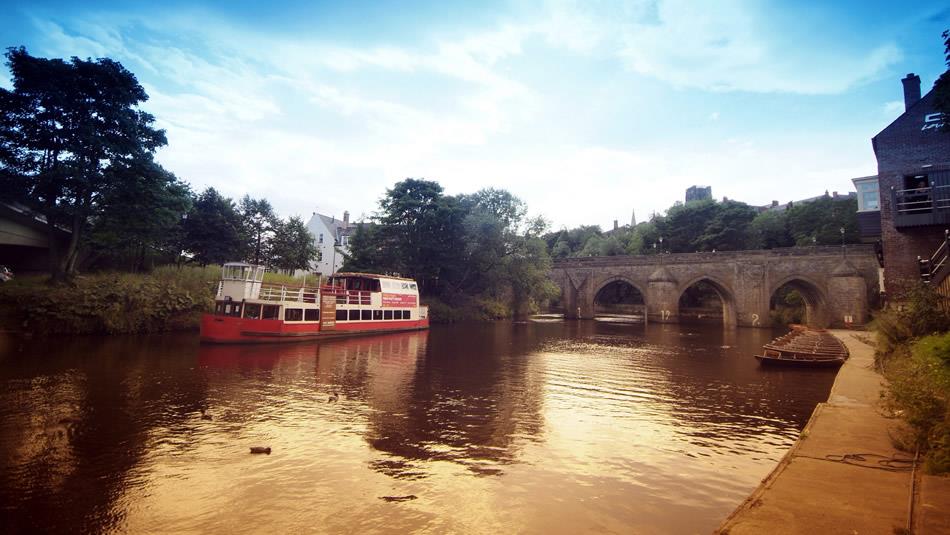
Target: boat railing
[282, 292]
[348, 297]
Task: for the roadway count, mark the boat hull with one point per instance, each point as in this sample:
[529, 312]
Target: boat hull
[216, 329]
[800, 362]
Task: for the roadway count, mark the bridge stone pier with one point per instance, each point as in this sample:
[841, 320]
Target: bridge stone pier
[838, 284]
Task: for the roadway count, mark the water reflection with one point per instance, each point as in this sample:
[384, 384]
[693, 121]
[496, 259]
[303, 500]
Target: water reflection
[556, 426]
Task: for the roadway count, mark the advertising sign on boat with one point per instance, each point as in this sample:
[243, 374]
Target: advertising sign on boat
[327, 311]
[399, 300]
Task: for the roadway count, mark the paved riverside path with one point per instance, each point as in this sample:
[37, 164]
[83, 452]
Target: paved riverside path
[807, 493]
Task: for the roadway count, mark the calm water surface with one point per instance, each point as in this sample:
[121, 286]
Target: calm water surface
[558, 427]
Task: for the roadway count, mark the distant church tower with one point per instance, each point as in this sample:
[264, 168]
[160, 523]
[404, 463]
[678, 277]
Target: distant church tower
[633, 218]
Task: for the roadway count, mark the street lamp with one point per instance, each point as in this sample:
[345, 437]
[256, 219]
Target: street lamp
[661, 244]
[842, 235]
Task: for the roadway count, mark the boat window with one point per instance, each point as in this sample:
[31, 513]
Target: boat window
[354, 315]
[377, 315]
[405, 286]
[397, 314]
[233, 309]
[405, 314]
[219, 309]
[271, 312]
[293, 314]
[374, 285]
[260, 274]
[252, 311]
[412, 286]
[366, 315]
[388, 314]
[341, 315]
[311, 314]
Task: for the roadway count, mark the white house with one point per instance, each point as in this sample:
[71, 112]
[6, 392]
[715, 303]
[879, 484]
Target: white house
[332, 237]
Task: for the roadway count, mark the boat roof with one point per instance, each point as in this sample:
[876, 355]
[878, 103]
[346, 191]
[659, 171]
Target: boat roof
[371, 276]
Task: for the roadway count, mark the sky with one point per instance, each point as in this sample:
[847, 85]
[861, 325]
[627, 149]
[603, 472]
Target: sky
[587, 111]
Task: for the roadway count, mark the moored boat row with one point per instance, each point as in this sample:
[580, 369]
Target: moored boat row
[804, 347]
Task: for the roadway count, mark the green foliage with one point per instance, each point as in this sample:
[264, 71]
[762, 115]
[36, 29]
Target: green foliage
[68, 132]
[919, 388]
[258, 224]
[213, 229]
[769, 230]
[141, 214]
[942, 86]
[469, 251]
[292, 245]
[919, 314]
[167, 299]
[819, 222]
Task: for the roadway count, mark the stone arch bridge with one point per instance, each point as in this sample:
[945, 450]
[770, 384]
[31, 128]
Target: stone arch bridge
[838, 284]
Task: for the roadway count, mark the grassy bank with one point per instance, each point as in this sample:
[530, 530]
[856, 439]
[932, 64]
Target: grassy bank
[913, 353]
[166, 299]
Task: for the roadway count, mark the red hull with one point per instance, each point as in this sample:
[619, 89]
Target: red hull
[231, 330]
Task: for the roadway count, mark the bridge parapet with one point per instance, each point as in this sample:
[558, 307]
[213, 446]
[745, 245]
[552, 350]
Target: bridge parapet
[744, 280]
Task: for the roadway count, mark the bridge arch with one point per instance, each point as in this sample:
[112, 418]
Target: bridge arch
[813, 295]
[619, 294]
[726, 296]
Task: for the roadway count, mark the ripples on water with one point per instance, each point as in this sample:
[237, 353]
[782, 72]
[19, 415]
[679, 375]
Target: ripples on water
[537, 427]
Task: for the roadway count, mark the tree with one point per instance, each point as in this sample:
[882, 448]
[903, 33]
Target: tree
[291, 246]
[729, 228]
[819, 222]
[770, 230]
[141, 212]
[213, 229]
[942, 86]
[259, 224]
[65, 130]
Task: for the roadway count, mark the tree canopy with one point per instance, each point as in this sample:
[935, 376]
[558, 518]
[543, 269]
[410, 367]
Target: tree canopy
[68, 132]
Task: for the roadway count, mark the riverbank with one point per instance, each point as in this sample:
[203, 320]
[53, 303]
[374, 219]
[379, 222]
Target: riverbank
[815, 489]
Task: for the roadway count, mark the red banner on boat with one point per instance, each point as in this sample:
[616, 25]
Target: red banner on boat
[399, 300]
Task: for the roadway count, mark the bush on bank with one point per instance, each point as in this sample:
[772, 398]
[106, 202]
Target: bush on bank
[167, 299]
[913, 353]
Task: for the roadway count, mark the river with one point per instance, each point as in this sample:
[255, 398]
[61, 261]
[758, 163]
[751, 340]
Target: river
[537, 427]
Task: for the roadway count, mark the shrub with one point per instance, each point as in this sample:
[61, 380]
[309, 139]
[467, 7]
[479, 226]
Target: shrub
[167, 299]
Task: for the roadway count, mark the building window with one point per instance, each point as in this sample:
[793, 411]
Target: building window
[868, 197]
[321, 238]
[311, 314]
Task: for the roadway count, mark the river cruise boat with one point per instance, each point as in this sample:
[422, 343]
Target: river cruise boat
[248, 310]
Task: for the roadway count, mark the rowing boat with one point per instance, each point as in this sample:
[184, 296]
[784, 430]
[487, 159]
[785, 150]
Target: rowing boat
[804, 347]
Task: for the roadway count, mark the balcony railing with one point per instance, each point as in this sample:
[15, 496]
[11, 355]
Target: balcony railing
[921, 206]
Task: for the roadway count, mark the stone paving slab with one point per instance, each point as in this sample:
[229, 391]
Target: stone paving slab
[932, 511]
[806, 493]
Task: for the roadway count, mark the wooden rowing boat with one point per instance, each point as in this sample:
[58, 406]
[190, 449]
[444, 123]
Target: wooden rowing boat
[804, 347]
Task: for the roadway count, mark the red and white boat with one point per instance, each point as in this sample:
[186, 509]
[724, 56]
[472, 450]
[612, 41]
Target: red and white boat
[248, 310]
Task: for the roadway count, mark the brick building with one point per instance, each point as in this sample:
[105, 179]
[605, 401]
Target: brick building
[913, 164]
[698, 193]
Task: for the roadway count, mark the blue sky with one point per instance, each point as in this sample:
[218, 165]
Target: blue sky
[585, 110]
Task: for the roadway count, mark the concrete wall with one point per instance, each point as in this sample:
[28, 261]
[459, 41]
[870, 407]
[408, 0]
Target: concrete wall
[835, 282]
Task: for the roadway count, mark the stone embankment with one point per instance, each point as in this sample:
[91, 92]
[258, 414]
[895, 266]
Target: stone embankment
[822, 487]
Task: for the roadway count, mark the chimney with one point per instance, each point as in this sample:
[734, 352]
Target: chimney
[911, 90]
[615, 225]
[346, 219]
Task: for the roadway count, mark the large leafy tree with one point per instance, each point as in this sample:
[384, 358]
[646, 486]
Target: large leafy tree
[819, 222]
[142, 211]
[292, 246]
[213, 229]
[66, 130]
[259, 225]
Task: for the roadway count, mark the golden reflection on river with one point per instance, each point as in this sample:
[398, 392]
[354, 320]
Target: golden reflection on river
[559, 427]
